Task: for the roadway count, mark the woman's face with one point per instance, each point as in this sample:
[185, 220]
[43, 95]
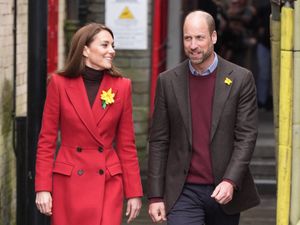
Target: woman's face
[100, 52]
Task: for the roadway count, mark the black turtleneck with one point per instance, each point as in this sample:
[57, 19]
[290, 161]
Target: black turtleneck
[92, 79]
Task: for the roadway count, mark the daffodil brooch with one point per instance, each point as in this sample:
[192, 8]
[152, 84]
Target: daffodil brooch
[228, 81]
[107, 98]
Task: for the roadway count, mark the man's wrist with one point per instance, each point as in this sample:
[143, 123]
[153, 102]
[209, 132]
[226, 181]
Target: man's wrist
[231, 182]
[155, 200]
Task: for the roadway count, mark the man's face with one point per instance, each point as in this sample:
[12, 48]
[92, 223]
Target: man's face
[197, 40]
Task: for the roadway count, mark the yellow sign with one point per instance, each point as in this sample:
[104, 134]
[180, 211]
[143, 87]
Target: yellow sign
[126, 14]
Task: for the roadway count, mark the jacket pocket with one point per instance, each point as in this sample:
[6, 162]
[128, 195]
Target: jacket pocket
[63, 168]
[114, 169]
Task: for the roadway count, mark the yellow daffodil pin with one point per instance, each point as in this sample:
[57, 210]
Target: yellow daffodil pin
[107, 98]
[227, 81]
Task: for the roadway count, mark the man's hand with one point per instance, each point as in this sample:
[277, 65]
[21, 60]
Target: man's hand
[157, 212]
[43, 202]
[133, 208]
[223, 193]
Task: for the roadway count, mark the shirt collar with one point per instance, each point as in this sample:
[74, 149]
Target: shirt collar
[209, 70]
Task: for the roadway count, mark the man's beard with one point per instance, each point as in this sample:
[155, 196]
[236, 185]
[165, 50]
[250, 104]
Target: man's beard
[203, 58]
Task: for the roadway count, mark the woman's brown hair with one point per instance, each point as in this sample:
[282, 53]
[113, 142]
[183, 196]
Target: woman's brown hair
[75, 62]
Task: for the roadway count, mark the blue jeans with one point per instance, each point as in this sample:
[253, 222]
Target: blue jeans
[196, 207]
[263, 80]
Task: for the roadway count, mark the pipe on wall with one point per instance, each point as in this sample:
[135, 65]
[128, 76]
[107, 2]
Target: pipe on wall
[14, 74]
[295, 191]
[36, 93]
[285, 117]
[159, 41]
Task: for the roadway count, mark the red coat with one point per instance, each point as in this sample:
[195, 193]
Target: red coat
[97, 162]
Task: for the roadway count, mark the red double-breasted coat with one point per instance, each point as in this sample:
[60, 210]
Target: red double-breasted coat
[96, 164]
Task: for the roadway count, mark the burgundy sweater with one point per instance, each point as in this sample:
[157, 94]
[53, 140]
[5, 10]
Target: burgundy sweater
[201, 98]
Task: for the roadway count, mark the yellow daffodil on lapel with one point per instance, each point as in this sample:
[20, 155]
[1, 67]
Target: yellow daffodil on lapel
[107, 98]
[227, 81]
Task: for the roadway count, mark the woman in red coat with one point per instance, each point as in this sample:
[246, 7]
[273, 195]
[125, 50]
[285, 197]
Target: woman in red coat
[84, 182]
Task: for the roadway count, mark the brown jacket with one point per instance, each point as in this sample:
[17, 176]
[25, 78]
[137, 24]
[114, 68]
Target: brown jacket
[233, 134]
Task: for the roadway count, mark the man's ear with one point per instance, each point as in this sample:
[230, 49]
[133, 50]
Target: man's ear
[214, 37]
[85, 51]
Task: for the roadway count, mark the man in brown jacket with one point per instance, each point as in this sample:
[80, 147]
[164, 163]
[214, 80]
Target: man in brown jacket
[203, 135]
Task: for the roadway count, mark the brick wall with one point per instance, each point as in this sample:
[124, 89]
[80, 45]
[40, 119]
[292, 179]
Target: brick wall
[22, 36]
[7, 161]
[7, 157]
[7, 179]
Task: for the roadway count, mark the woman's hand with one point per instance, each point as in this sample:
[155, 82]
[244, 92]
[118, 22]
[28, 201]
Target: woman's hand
[133, 208]
[43, 201]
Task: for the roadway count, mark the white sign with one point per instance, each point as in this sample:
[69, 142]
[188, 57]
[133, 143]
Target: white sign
[128, 21]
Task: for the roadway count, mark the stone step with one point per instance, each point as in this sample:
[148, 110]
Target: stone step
[265, 148]
[266, 186]
[263, 168]
[263, 214]
[266, 134]
[264, 173]
[266, 117]
[266, 128]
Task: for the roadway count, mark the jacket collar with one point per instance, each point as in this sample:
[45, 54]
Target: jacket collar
[181, 91]
[90, 117]
[222, 90]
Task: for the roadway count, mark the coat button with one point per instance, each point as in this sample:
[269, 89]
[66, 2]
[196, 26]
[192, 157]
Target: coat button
[100, 149]
[80, 172]
[79, 149]
[101, 171]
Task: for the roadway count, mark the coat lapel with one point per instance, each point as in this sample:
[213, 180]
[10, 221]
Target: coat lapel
[78, 98]
[181, 91]
[221, 94]
[98, 110]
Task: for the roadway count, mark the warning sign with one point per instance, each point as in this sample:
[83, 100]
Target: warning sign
[126, 14]
[128, 20]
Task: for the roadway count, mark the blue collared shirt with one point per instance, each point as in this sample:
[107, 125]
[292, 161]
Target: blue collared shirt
[209, 70]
